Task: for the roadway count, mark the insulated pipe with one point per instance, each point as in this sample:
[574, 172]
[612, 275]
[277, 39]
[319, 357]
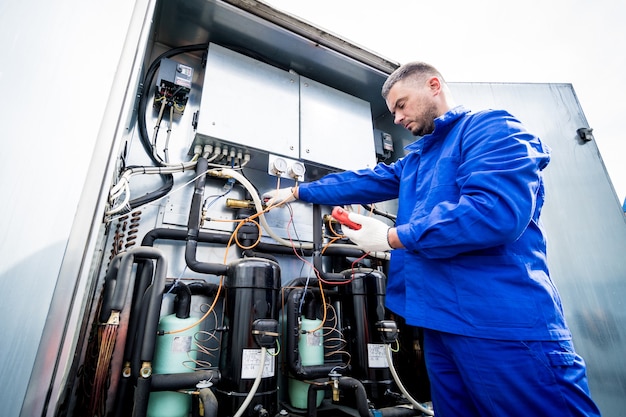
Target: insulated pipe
[209, 402]
[173, 382]
[141, 398]
[142, 391]
[120, 289]
[154, 306]
[193, 226]
[110, 282]
[347, 383]
[294, 361]
[311, 399]
[136, 322]
[182, 302]
[344, 383]
[317, 247]
[398, 412]
[222, 238]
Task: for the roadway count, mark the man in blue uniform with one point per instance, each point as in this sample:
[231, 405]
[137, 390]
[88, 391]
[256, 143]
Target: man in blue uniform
[468, 260]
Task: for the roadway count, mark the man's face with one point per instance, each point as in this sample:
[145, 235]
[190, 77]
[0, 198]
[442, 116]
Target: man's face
[412, 104]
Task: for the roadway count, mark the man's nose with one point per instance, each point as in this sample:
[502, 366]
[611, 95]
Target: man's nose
[397, 118]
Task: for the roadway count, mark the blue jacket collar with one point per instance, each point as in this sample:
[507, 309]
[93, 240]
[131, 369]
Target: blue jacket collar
[443, 124]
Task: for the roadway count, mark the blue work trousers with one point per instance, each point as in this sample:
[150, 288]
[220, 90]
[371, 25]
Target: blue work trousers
[495, 378]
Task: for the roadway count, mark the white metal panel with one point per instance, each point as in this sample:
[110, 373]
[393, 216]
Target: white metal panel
[58, 64]
[250, 103]
[335, 128]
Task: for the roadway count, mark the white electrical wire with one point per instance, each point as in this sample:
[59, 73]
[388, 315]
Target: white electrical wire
[406, 394]
[255, 386]
[167, 137]
[259, 207]
[125, 190]
[123, 184]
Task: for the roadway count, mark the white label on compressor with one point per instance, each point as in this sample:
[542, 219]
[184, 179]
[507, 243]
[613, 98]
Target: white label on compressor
[181, 344]
[251, 360]
[376, 356]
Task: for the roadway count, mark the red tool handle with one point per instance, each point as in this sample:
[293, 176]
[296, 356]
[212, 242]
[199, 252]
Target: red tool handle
[341, 216]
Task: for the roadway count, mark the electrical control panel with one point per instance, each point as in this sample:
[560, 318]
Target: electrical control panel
[249, 103]
[173, 85]
[383, 142]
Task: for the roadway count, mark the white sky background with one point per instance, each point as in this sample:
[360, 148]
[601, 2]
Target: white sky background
[581, 42]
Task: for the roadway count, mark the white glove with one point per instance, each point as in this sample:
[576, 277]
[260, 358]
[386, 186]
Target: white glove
[279, 197]
[371, 237]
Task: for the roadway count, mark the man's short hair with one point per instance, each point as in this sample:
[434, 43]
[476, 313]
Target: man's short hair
[414, 69]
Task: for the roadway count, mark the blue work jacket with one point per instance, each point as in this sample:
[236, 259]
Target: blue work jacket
[469, 199]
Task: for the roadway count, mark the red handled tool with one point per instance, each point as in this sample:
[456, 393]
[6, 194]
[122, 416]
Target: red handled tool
[341, 216]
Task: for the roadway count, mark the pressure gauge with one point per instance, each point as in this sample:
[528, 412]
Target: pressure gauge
[279, 166]
[297, 170]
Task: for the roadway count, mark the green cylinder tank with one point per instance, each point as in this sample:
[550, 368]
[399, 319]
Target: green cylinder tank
[311, 350]
[173, 354]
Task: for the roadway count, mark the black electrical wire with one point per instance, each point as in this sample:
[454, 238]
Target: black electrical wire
[144, 94]
[374, 210]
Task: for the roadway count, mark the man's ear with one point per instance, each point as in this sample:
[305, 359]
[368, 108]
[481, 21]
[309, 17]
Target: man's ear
[434, 83]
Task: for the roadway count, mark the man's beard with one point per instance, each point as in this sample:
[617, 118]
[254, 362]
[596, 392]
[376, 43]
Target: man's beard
[428, 127]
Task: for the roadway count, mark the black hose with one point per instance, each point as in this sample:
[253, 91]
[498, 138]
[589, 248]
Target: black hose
[142, 391]
[154, 195]
[195, 288]
[182, 302]
[384, 214]
[294, 361]
[142, 396]
[209, 402]
[317, 244]
[154, 307]
[348, 383]
[399, 412]
[311, 398]
[110, 281]
[193, 226]
[223, 238]
[144, 95]
[344, 383]
[135, 328]
[173, 382]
